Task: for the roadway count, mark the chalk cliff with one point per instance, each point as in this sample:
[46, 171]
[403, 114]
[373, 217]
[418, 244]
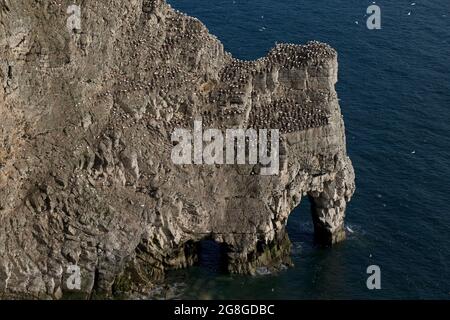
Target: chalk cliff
[86, 176]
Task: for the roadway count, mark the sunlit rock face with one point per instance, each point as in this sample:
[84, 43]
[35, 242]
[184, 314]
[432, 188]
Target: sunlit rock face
[86, 176]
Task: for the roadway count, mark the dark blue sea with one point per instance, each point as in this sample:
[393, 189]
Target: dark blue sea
[394, 86]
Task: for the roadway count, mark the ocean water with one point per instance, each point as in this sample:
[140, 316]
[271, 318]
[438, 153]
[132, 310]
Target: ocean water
[394, 86]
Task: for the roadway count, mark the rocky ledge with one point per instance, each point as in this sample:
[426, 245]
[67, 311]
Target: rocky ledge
[86, 177]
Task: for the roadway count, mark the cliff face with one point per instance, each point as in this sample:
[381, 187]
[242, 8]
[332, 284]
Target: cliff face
[86, 176]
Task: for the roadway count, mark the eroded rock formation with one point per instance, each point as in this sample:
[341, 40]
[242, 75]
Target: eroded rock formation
[86, 177]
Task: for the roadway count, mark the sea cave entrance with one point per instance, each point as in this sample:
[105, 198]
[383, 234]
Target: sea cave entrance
[300, 226]
[212, 256]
